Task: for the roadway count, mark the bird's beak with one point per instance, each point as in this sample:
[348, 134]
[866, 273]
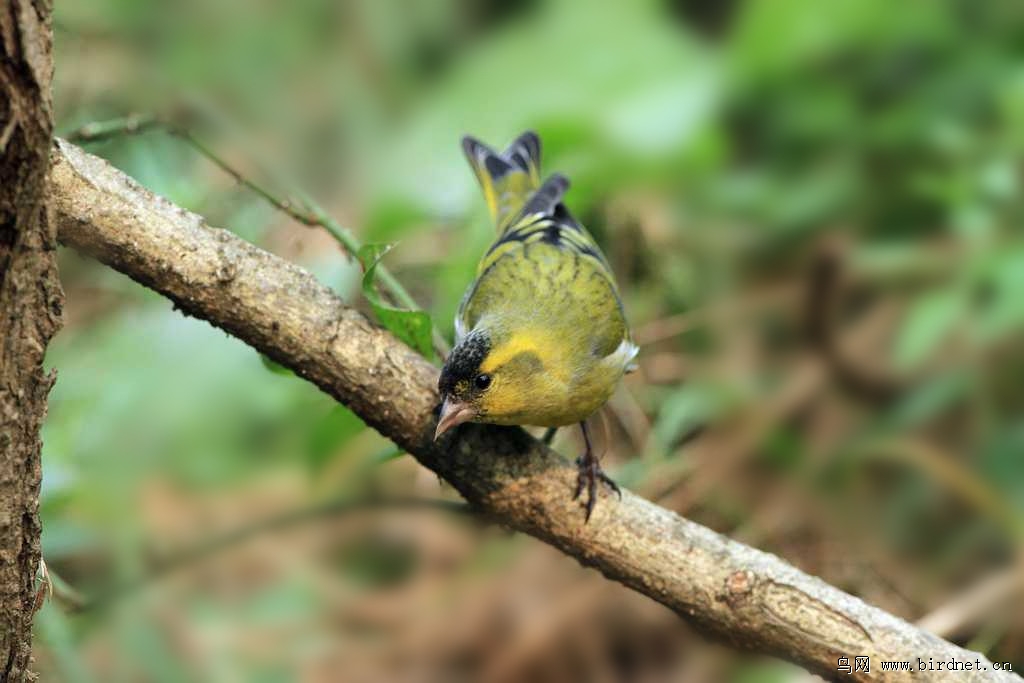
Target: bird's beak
[453, 413]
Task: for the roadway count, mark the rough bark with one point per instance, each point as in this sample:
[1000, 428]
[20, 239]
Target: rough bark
[733, 592]
[30, 308]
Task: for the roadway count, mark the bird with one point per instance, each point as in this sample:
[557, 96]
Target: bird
[541, 336]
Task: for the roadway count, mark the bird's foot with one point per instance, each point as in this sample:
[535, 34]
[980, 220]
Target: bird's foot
[589, 473]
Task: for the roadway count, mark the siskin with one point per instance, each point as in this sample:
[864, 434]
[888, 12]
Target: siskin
[541, 337]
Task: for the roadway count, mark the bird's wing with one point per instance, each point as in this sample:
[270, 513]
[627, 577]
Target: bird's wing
[547, 266]
[544, 218]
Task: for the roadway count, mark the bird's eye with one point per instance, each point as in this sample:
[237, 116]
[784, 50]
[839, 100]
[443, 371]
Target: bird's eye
[482, 381]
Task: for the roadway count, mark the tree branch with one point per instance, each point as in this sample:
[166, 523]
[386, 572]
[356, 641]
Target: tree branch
[735, 593]
[303, 209]
[824, 290]
[202, 549]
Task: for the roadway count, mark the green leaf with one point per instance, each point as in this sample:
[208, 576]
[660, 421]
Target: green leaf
[927, 400]
[388, 454]
[929, 322]
[378, 561]
[1003, 313]
[274, 367]
[329, 434]
[412, 327]
[687, 409]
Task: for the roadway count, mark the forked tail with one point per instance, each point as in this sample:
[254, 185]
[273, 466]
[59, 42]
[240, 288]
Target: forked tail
[509, 178]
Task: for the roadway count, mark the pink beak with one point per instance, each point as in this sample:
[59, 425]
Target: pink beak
[453, 413]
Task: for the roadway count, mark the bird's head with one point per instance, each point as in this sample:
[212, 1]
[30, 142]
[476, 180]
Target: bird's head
[488, 379]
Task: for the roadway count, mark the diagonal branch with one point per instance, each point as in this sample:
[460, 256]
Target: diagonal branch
[202, 549]
[303, 209]
[733, 592]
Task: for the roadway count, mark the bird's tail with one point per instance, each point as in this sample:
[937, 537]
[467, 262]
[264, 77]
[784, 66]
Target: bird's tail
[509, 178]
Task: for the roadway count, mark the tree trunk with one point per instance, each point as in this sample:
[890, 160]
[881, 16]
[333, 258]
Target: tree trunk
[30, 307]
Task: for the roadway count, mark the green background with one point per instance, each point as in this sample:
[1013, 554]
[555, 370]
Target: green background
[714, 148]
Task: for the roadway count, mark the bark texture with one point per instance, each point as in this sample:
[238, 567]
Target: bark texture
[733, 592]
[30, 309]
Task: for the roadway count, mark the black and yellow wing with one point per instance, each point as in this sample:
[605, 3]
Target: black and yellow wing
[546, 270]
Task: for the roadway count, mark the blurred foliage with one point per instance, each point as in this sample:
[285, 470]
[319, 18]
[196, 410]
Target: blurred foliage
[713, 147]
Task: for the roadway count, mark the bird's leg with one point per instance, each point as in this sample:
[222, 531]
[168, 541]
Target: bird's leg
[590, 473]
[549, 436]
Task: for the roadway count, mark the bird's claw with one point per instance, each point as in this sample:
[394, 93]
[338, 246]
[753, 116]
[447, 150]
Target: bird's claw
[589, 473]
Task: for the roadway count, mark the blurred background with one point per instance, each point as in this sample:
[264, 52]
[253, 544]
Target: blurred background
[813, 210]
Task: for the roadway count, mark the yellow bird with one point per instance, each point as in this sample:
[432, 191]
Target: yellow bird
[541, 337]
